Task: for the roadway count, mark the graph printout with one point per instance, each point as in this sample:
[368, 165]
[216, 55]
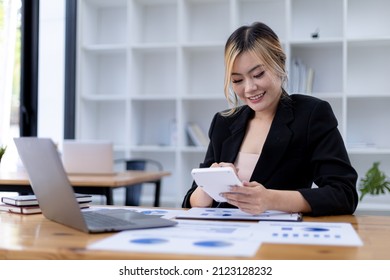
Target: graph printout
[339, 234]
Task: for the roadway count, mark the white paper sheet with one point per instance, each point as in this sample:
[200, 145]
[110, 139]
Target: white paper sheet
[339, 234]
[163, 213]
[188, 237]
[225, 238]
[237, 214]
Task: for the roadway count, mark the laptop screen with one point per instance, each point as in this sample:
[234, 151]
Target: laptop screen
[87, 157]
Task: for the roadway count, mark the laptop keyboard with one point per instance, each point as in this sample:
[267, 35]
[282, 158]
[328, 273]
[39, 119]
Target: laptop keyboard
[97, 220]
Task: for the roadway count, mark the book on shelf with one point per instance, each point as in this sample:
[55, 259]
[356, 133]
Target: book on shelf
[302, 77]
[196, 135]
[31, 200]
[26, 210]
[309, 80]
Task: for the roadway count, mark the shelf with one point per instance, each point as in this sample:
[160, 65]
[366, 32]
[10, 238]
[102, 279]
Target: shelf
[249, 11]
[376, 207]
[203, 71]
[316, 16]
[100, 121]
[102, 97]
[146, 68]
[200, 24]
[193, 150]
[154, 97]
[369, 41]
[367, 121]
[105, 48]
[326, 62]
[376, 15]
[153, 149]
[145, 27]
[320, 42]
[367, 150]
[108, 70]
[103, 22]
[204, 97]
[155, 72]
[361, 59]
[154, 122]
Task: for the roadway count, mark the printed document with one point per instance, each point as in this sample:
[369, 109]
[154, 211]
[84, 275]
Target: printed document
[237, 214]
[188, 237]
[338, 234]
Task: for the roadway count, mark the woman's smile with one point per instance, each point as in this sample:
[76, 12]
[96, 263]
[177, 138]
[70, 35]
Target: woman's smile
[257, 97]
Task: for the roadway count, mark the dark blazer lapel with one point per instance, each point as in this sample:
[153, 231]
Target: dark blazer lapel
[275, 145]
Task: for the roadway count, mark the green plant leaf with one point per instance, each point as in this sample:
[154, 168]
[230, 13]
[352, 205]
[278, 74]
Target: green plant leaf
[374, 182]
[2, 151]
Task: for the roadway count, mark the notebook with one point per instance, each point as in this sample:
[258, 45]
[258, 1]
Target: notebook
[88, 157]
[57, 199]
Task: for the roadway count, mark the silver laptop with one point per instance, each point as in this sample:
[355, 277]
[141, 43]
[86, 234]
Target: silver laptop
[56, 197]
[88, 157]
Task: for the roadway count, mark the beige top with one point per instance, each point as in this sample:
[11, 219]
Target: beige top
[245, 163]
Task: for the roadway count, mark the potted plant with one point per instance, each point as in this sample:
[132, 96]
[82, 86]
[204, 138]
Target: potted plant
[2, 151]
[374, 182]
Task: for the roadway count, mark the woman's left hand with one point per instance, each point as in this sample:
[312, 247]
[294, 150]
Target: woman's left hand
[252, 198]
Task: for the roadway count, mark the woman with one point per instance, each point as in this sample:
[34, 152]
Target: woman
[279, 144]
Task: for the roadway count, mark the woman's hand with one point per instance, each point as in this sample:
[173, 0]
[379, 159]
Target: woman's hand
[199, 198]
[225, 164]
[252, 198]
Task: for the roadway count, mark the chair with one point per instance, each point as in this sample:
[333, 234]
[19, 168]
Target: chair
[133, 192]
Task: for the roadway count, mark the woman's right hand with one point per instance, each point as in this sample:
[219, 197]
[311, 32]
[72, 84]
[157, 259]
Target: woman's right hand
[225, 164]
[199, 197]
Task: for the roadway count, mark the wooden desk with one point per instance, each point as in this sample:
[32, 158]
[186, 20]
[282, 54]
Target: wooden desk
[34, 237]
[89, 184]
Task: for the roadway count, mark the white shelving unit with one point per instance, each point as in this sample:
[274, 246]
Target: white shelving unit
[148, 67]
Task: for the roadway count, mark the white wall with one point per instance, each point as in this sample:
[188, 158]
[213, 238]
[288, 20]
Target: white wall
[51, 69]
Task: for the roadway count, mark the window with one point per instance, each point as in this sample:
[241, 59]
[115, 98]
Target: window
[10, 57]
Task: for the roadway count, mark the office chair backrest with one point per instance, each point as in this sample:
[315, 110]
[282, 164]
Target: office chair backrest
[133, 193]
[142, 164]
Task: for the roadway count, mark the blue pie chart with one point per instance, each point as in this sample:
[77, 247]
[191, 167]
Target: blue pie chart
[149, 241]
[212, 243]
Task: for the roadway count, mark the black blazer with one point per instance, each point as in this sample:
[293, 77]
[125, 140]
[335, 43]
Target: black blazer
[303, 146]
